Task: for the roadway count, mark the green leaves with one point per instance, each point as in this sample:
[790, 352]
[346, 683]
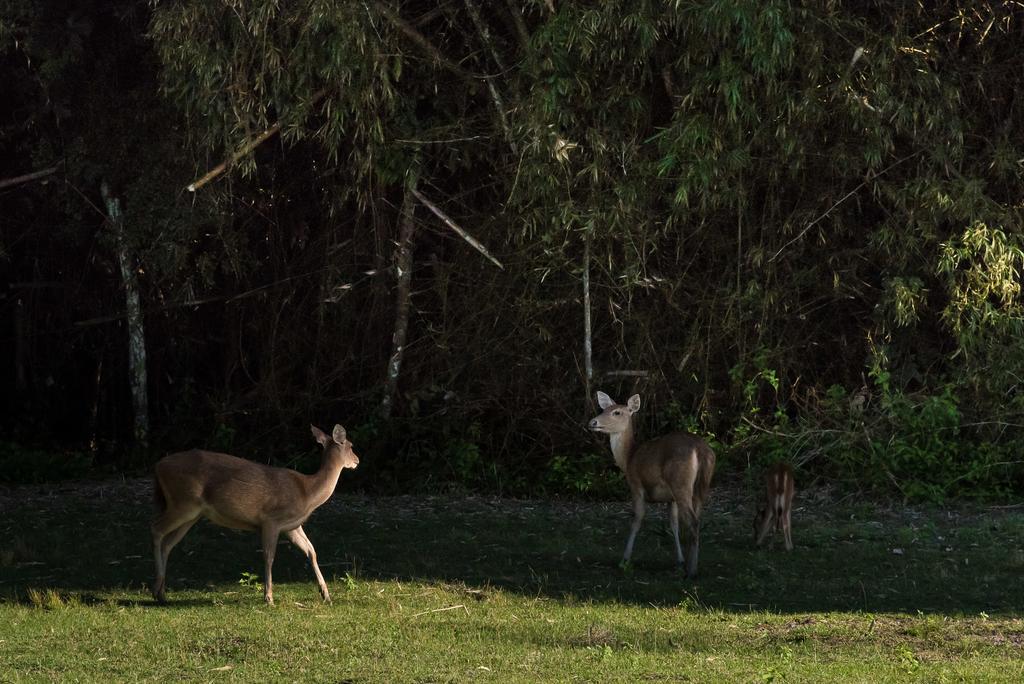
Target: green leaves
[982, 268]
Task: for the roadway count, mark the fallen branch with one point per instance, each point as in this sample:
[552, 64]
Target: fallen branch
[454, 226]
[244, 150]
[29, 177]
[239, 153]
[441, 610]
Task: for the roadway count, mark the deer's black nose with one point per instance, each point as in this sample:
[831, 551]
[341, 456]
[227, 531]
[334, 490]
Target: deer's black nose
[593, 423]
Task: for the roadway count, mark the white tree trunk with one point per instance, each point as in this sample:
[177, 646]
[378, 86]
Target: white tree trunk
[403, 293]
[136, 332]
[20, 347]
[588, 345]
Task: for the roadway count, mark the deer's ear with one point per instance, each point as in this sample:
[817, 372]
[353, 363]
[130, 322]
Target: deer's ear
[604, 401]
[634, 403]
[338, 434]
[319, 435]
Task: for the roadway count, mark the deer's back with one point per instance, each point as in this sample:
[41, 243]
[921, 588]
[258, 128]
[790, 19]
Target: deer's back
[230, 491]
[669, 463]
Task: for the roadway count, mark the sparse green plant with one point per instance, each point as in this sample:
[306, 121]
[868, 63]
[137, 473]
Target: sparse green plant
[250, 580]
[908, 660]
[50, 599]
[590, 475]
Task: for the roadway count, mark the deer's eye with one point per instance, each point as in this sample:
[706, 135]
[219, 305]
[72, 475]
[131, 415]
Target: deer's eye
[616, 412]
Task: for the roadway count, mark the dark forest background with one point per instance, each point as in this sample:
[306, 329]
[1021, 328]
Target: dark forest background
[792, 227]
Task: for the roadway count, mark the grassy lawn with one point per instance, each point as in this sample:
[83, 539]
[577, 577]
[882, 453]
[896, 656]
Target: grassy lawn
[470, 589]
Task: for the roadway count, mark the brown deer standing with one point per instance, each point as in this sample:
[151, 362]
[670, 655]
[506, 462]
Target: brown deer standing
[777, 505]
[240, 494]
[675, 468]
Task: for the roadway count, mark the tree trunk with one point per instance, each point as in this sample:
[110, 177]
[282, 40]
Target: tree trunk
[94, 414]
[403, 291]
[136, 334]
[20, 347]
[588, 345]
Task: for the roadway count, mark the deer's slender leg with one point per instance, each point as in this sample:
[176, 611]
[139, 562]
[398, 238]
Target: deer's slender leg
[169, 542]
[270, 534]
[673, 520]
[684, 502]
[693, 542]
[766, 525]
[164, 527]
[786, 530]
[158, 589]
[299, 538]
[639, 508]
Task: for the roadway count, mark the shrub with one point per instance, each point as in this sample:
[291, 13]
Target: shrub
[22, 465]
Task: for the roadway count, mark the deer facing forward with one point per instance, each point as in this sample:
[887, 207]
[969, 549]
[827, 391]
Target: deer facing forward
[675, 468]
[240, 494]
[777, 504]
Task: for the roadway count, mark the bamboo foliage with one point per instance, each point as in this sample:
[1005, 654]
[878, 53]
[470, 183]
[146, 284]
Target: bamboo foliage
[816, 194]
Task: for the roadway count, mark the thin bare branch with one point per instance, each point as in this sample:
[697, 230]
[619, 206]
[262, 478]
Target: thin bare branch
[244, 150]
[521, 31]
[28, 177]
[441, 610]
[418, 38]
[238, 154]
[499, 107]
[429, 16]
[840, 201]
[454, 226]
[485, 36]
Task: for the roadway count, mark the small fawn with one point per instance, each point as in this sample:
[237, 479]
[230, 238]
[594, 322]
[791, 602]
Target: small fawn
[777, 505]
[675, 468]
[244, 495]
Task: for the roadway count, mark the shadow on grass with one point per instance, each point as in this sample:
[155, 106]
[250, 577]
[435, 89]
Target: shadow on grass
[848, 558]
[169, 605]
[57, 597]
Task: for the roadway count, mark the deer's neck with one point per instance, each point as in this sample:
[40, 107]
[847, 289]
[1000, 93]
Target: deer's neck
[622, 446]
[326, 479]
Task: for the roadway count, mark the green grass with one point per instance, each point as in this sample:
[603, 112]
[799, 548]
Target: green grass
[469, 589]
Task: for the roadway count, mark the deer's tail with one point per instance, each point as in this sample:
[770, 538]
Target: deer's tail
[705, 470]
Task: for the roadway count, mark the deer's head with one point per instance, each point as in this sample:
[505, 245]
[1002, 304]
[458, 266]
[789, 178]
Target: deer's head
[336, 444]
[614, 418]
